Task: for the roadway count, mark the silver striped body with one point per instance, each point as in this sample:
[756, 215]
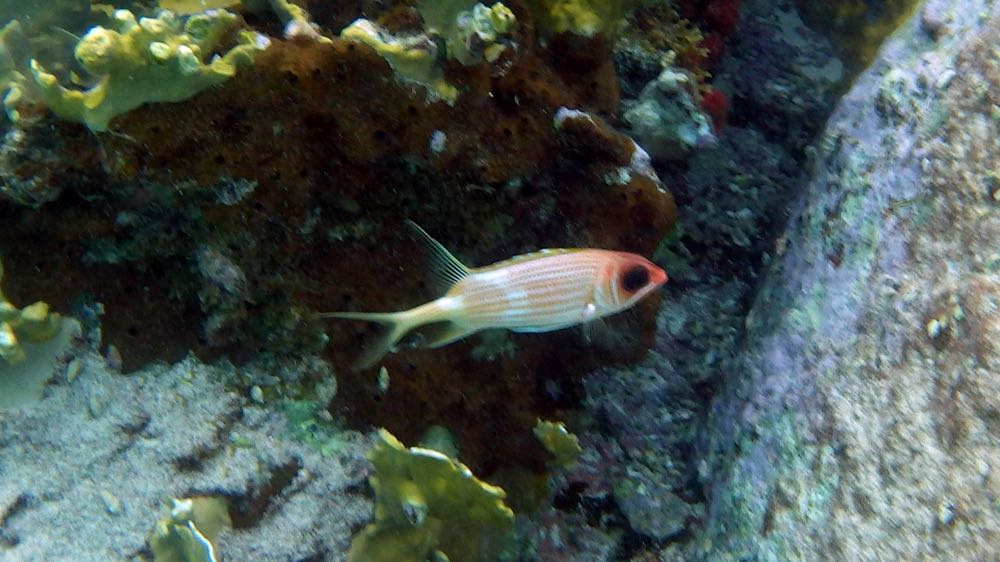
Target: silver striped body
[539, 292]
[533, 293]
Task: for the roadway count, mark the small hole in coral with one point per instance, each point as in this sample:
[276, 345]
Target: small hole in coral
[220, 159]
[133, 331]
[411, 110]
[381, 135]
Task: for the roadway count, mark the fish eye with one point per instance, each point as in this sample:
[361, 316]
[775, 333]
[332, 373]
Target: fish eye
[634, 278]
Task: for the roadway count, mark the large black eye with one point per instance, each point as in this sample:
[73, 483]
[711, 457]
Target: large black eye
[634, 278]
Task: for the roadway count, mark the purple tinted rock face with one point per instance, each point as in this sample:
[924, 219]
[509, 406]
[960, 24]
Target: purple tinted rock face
[861, 421]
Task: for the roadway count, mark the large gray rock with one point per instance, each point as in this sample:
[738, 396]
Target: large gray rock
[864, 420]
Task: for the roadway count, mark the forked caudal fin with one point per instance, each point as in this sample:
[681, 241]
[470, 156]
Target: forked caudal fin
[448, 271]
[396, 328]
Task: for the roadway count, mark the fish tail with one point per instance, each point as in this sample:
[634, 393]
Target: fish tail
[397, 325]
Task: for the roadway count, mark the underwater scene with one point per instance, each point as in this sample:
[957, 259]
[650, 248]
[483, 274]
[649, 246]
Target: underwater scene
[499, 280]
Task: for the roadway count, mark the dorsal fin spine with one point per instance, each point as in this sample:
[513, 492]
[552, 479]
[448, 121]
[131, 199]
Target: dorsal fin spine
[445, 266]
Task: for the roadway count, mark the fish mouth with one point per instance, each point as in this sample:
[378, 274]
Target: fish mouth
[658, 277]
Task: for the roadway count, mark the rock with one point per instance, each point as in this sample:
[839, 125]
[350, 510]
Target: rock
[862, 422]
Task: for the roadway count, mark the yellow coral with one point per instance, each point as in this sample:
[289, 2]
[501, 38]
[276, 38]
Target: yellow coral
[582, 17]
[563, 445]
[188, 532]
[412, 57]
[145, 60]
[33, 323]
[470, 36]
[196, 6]
[427, 504]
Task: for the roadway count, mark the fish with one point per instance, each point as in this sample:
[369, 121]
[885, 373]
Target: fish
[541, 291]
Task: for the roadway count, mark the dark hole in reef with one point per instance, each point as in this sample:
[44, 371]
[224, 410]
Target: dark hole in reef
[220, 159]
[133, 331]
[381, 135]
[570, 497]
[195, 462]
[247, 510]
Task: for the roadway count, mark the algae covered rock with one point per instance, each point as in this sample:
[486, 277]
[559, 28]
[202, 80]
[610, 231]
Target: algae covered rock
[862, 423]
[666, 120]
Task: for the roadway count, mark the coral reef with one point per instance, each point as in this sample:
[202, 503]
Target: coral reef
[220, 223]
[33, 323]
[429, 506]
[825, 392]
[188, 532]
[666, 119]
[587, 18]
[563, 445]
[469, 36]
[641, 462]
[145, 60]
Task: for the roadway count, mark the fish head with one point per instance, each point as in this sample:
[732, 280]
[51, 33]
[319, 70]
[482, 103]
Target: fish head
[631, 277]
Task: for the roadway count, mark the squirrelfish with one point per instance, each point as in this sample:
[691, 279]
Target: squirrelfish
[542, 291]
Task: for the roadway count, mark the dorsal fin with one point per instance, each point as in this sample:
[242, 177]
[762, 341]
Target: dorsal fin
[445, 267]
